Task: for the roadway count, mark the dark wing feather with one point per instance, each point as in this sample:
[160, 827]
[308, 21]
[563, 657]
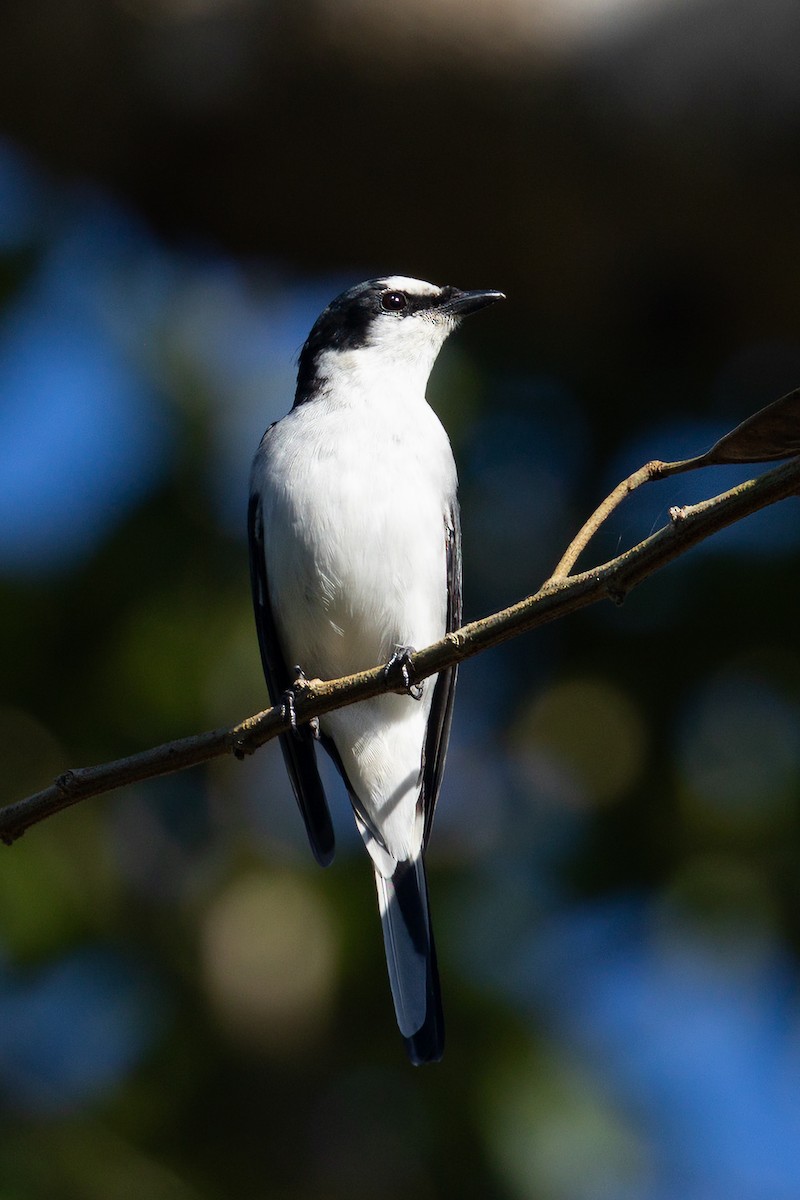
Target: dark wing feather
[438, 733]
[298, 748]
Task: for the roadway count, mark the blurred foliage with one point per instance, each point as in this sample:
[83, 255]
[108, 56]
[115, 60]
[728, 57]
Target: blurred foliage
[188, 1009]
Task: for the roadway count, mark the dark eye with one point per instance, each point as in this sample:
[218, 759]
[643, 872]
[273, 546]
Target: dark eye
[394, 301]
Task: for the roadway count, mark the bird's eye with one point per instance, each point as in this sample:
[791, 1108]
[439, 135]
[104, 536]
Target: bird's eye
[394, 301]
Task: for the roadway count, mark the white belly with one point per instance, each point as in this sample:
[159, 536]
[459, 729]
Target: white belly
[355, 520]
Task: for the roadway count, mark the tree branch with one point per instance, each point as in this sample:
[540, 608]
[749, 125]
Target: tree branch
[646, 474]
[560, 595]
[769, 434]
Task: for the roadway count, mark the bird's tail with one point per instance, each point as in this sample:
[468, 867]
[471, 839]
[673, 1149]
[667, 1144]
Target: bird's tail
[411, 958]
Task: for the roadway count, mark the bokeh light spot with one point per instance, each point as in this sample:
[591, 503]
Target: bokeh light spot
[270, 955]
[725, 908]
[555, 1134]
[739, 753]
[75, 1029]
[589, 729]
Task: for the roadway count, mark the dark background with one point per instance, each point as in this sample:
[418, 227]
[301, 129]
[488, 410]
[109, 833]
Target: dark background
[189, 1009]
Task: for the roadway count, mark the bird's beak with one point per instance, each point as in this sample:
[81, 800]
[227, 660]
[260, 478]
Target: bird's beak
[461, 303]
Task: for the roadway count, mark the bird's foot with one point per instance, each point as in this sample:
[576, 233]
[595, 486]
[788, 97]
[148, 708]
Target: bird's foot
[288, 705]
[288, 710]
[401, 662]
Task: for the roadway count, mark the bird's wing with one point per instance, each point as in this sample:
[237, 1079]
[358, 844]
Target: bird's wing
[298, 746]
[441, 715]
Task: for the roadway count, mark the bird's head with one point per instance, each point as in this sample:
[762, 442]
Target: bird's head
[384, 326]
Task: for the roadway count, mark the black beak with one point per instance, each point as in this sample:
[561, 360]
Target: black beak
[460, 303]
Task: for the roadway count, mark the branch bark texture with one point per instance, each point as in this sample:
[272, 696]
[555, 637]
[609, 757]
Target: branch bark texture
[561, 595]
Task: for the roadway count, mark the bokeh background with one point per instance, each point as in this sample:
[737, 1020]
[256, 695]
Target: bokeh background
[189, 1008]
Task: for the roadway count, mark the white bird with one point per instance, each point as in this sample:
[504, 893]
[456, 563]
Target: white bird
[355, 553]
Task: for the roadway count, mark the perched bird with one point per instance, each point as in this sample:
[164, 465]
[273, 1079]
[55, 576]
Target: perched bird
[355, 556]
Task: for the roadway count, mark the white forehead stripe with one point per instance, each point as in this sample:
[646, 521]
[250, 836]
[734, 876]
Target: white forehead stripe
[417, 287]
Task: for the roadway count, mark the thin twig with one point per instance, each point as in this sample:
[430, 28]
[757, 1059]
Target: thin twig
[646, 474]
[560, 595]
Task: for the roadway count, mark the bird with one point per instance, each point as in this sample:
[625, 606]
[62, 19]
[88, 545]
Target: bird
[355, 558]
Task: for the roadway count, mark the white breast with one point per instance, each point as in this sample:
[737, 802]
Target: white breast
[356, 496]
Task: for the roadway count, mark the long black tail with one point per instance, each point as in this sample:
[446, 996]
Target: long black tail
[411, 958]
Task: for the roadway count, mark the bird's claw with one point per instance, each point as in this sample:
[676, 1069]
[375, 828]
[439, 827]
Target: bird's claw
[401, 660]
[289, 709]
